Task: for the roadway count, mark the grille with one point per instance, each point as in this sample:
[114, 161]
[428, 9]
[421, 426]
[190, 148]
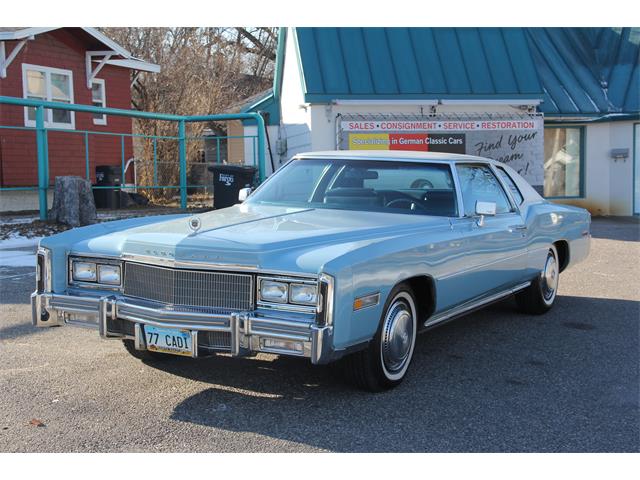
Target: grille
[189, 288]
[214, 340]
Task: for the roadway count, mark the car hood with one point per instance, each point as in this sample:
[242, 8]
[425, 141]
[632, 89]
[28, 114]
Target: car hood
[265, 237]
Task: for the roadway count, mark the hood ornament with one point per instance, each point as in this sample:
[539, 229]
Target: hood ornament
[195, 223]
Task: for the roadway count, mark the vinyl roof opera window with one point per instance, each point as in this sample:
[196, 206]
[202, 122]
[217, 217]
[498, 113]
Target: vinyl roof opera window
[49, 84]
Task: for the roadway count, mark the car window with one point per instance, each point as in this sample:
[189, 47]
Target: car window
[479, 184]
[511, 185]
[409, 178]
[365, 185]
[300, 183]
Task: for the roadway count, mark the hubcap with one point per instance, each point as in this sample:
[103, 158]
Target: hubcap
[550, 277]
[397, 337]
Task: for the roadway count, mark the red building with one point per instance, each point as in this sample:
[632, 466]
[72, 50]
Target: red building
[71, 65]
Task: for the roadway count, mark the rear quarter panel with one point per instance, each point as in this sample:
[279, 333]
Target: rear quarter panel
[548, 223]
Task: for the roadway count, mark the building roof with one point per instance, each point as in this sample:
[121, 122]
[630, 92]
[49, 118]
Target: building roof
[573, 71]
[125, 59]
[416, 63]
[587, 70]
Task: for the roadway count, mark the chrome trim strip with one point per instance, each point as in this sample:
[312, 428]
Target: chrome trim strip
[48, 279]
[326, 305]
[473, 304]
[456, 184]
[93, 255]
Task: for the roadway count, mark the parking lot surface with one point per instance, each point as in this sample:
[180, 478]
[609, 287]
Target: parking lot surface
[496, 380]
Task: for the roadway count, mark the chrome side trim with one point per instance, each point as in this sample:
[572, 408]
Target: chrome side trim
[326, 288]
[46, 273]
[473, 305]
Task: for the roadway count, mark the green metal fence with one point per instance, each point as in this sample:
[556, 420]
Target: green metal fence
[154, 168]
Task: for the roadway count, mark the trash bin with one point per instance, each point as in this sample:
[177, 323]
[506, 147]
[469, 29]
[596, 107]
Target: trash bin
[106, 176]
[227, 182]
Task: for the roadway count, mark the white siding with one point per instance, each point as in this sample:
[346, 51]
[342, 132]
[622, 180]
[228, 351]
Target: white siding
[295, 115]
[608, 183]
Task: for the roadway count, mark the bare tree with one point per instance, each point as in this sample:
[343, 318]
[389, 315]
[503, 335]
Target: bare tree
[204, 70]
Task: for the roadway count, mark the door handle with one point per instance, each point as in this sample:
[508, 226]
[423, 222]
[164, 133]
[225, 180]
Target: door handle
[517, 227]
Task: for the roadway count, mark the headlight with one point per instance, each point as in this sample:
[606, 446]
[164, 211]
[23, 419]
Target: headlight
[304, 294]
[109, 274]
[271, 291]
[84, 271]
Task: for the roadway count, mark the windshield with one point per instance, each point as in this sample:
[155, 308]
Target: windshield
[365, 185]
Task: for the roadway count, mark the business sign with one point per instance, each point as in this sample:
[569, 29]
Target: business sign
[518, 142]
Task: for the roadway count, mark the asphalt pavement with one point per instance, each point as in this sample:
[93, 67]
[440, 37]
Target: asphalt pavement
[494, 381]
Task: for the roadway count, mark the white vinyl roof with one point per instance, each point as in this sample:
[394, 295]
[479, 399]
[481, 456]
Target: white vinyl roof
[394, 155]
[127, 60]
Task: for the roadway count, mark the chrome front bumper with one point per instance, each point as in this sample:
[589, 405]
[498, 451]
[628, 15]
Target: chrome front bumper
[247, 331]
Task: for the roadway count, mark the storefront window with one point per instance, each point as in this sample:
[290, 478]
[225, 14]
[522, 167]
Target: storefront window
[562, 162]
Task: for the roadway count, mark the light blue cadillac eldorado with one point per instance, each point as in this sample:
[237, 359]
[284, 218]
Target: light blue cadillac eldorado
[337, 256]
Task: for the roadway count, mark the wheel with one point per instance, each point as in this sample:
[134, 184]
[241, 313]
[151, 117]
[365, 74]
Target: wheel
[384, 363]
[538, 297]
[144, 355]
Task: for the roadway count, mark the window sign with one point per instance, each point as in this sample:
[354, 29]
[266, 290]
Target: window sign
[517, 142]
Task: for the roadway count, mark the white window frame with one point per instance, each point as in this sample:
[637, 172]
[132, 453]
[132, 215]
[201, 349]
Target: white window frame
[100, 81]
[48, 114]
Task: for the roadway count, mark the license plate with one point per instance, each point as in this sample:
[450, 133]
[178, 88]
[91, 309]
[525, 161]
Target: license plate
[169, 340]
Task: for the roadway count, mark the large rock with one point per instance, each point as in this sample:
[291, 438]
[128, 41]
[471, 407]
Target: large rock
[73, 202]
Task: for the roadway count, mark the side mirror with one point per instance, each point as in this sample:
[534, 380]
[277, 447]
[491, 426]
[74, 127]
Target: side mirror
[484, 208]
[243, 193]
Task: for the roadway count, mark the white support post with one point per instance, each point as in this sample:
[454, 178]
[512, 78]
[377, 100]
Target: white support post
[6, 61]
[91, 72]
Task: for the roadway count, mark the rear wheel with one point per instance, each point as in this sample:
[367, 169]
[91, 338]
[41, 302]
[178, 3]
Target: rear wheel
[384, 363]
[538, 298]
[145, 355]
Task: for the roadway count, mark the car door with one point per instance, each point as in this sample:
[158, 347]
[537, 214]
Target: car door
[495, 245]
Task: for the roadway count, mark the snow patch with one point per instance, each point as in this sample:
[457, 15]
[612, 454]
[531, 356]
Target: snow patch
[17, 258]
[18, 251]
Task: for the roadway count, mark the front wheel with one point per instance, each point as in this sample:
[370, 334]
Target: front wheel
[538, 298]
[384, 363]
